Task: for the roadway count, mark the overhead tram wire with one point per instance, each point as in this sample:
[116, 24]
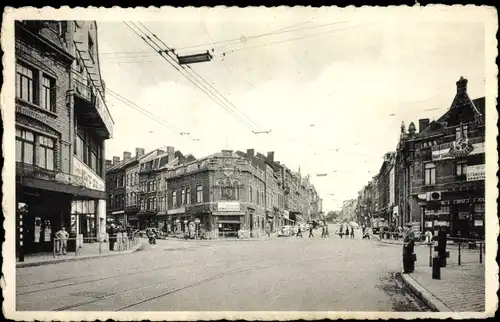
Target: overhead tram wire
[169, 51]
[234, 41]
[136, 106]
[297, 38]
[152, 116]
[157, 48]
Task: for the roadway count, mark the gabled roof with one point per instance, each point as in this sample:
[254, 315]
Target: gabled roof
[437, 127]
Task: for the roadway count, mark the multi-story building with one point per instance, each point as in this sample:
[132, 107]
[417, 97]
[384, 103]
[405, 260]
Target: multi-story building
[438, 171]
[448, 185]
[385, 187]
[231, 191]
[122, 185]
[61, 125]
[349, 210]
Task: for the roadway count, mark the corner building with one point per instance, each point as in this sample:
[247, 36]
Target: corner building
[61, 125]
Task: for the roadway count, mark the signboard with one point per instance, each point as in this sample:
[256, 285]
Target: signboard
[428, 224]
[228, 206]
[475, 172]
[395, 210]
[442, 154]
[89, 179]
[229, 213]
[103, 111]
[478, 222]
[180, 210]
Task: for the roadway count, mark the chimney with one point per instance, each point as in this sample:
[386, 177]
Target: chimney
[170, 153]
[116, 160]
[127, 156]
[139, 152]
[462, 85]
[423, 124]
[250, 152]
[270, 156]
[108, 163]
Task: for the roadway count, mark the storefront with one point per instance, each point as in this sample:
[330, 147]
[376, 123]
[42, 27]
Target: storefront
[43, 207]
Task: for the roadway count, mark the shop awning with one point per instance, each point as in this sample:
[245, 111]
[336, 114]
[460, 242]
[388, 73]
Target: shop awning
[63, 188]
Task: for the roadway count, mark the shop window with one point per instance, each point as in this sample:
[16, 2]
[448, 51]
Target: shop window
[199, 193]
[174, 199]
[24, 146]
[26, 83]
[430, 173]
[45, 152]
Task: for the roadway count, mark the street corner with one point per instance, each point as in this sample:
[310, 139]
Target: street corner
[423, 294]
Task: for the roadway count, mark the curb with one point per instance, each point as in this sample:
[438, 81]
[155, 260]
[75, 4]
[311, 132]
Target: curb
[424, 295]
[73, 259]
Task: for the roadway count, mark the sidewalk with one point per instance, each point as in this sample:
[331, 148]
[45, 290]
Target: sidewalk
[460, 289]
[48, 258]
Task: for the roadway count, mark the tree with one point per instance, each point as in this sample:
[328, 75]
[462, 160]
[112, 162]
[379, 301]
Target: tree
[332, 215]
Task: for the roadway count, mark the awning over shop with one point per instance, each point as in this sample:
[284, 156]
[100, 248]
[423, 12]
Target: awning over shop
[63, 188]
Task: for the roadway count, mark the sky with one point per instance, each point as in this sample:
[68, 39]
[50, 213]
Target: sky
[333, 92]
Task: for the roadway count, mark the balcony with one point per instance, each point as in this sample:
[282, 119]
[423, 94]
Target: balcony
[90, 105]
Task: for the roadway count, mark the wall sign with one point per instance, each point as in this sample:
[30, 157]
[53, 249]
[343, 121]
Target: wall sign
[228, 206]
[475, 172]
[89, 179]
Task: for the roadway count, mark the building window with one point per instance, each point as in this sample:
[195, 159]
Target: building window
[183, 196]
[174, 199]
[25, 83]
[199, 193]
[430, 173]
[154, 203]
[461, 169]
[24, 146]
[250, 197]
[45, 152]
[123, 181]
[461, 131]
[48, 101]
[188, 196]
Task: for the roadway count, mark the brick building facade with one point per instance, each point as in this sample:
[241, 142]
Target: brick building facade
[61, 126]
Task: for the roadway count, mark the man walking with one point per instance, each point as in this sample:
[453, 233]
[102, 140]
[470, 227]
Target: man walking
[299, 233]
[352, 232]
[62, 237]
[311, 232]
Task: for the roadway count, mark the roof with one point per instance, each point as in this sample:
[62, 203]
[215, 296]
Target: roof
[437, 127]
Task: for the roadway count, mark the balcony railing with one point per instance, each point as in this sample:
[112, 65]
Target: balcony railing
[84, 91]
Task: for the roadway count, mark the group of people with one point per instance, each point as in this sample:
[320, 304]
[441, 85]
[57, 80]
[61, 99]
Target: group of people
[324, 232]
[346, 230]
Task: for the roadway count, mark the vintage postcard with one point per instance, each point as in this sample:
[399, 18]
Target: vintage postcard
[250, 163]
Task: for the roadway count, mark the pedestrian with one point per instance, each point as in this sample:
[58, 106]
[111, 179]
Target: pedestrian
[112, 238]
[299, 233]
[311, 232]
[268, 232]
[352, 232]
[347, 231]
[323, 232]
[327, 234]
[341, 231]
[62, 237]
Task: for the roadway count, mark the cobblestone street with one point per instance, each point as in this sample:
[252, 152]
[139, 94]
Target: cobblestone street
[330, 274]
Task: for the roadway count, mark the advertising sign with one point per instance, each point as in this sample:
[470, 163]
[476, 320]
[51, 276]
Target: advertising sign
[228, 206]
[89, 179]
[180, 210]
[441, 154]
[475, 172]
[478, 222]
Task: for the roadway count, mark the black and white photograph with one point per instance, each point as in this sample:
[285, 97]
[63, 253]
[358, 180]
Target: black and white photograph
[257, 163]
